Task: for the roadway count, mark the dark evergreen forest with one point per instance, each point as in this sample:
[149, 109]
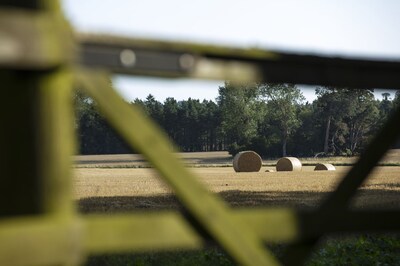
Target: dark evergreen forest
[271, 119]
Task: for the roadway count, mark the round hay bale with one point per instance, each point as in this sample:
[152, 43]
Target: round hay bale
[288, 164]
[269, 171]
[324, 167]
[247, 161]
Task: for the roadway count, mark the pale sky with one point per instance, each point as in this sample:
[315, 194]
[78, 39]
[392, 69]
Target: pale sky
[362, 28]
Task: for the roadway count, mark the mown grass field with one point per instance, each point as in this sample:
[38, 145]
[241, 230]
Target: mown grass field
[121, 183]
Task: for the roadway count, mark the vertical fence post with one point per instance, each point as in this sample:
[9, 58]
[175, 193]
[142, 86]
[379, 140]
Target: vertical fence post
[37, 128]
[36, 139]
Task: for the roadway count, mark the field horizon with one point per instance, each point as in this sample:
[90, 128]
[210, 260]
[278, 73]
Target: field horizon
[212, 159]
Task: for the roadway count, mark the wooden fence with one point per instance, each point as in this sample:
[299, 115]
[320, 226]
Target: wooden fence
[42, 60]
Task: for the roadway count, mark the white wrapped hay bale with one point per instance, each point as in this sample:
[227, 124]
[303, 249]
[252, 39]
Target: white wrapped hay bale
[247, 161]
[288, 164]
[324, 167]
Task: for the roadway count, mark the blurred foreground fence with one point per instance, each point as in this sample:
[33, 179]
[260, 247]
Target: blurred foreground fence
[41, 61]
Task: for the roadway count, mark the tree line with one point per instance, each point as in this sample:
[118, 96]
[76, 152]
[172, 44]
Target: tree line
[271, 119]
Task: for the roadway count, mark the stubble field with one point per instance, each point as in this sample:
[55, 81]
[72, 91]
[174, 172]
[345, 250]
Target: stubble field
[125, 183]
[113, 183]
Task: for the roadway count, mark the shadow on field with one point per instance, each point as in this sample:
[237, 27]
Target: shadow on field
[365, 199]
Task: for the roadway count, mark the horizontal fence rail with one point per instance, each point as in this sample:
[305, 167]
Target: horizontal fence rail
[41, 60]
[191, 60]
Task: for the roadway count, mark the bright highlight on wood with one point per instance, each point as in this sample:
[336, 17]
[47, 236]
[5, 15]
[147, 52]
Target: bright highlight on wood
[288, 164]
[247, 161]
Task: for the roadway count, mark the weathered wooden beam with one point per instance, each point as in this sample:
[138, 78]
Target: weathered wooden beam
[191, 60]
[138, 232]
[166, 230]
[37, 138]
[169, 230]
[40, 240]
[34, 40]
[65, 239]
